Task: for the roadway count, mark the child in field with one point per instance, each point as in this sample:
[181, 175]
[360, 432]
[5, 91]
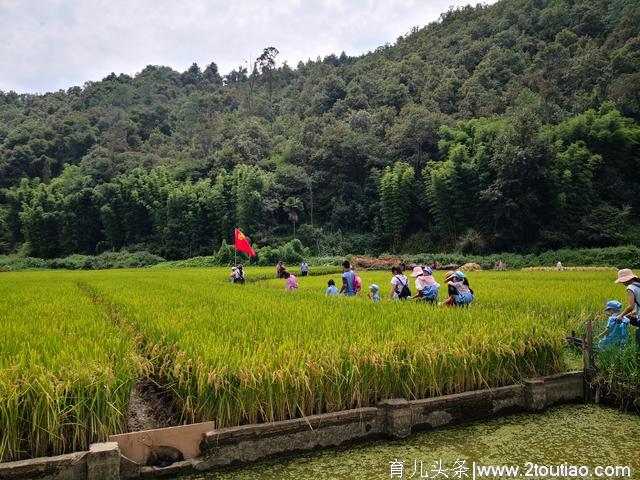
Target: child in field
[237, 275]
[332, 290]
[291, 282]
[426, 285]
[239, 278]
[399, 285]
[373, 293]
[460, 293]
[615, 333]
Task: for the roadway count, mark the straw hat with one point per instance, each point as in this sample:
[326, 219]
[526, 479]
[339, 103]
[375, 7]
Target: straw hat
[448, 276]
[625, 275]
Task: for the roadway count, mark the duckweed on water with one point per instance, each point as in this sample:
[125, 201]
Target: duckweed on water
[574, 435]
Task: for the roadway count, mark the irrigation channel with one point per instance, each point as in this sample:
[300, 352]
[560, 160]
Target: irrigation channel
[587, 436]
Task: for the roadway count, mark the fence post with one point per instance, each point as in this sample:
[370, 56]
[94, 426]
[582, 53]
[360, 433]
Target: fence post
[398, 417]
[588, 360]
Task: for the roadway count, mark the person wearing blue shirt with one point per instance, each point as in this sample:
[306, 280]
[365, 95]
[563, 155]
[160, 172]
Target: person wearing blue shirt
[348, 280]
[615, 334]
[304, 269]
[373, 293]
[332, 290]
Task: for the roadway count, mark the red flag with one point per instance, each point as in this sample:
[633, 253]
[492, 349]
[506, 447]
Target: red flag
[242, 244]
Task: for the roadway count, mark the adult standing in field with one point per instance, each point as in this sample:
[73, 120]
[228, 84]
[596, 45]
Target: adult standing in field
[291, 282]
[399, 285]
[280, 269]
[304, 269]
[559, 266]
[632, 284]
[348, 280]
[426, 286]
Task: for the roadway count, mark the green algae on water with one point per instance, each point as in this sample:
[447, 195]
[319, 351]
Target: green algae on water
[581, 435]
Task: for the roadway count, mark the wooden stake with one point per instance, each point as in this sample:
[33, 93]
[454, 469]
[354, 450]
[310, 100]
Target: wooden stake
[588, 360]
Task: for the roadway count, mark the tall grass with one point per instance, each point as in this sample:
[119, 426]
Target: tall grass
[618, 373]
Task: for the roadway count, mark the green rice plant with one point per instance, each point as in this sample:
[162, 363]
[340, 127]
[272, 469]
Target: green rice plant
[66, 370]
[77, 341]
[253, 353]
[618, 373]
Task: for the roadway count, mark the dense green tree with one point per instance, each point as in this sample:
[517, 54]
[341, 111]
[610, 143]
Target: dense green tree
[395, 190]
[520, 120]
[293, 206]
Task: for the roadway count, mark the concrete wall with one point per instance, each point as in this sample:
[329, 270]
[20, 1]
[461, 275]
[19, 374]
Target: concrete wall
[394, 418]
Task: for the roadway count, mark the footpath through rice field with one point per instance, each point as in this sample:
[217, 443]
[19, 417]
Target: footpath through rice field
[78, 341]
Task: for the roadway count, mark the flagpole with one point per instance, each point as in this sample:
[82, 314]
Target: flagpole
[235, 250]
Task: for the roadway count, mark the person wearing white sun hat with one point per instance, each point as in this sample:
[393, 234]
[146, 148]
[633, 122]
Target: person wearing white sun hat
[632, 282]
[629, 280]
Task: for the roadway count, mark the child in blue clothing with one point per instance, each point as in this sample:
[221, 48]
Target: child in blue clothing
[615, 334]
[373, 293]
[460, 293]
[332, 290]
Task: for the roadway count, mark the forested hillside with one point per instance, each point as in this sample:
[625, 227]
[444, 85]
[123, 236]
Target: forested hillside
[513, 127]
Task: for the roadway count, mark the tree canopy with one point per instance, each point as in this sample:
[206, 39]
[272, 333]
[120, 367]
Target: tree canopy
[511, 127]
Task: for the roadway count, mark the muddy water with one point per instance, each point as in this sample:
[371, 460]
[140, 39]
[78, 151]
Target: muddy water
[576, 435]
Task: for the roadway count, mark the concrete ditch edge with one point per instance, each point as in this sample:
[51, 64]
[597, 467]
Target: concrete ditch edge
[393, 418]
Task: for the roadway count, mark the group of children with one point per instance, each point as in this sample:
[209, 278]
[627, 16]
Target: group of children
[460, 294]
[427, 288]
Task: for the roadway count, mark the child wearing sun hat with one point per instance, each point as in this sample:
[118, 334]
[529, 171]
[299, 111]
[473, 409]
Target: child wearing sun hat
[373, 293]
[460, 293]
[426, 285]
[615, 333]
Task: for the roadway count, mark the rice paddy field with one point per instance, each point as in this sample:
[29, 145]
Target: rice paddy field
[75, 343]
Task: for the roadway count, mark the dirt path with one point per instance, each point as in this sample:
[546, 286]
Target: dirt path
[150, 407]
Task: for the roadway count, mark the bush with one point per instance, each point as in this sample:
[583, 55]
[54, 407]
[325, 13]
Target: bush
[12, 263]
[472, 243]
[419, 242]
[194, 262]
[291, 252]
[105, 260]
[294, 252]
[126, 259]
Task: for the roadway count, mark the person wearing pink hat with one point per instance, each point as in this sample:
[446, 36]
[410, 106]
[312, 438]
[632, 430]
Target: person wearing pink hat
[426, 285]
[629, 280]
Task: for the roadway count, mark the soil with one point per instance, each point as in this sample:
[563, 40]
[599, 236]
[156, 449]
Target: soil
[150, 407]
